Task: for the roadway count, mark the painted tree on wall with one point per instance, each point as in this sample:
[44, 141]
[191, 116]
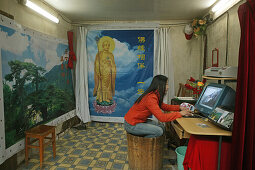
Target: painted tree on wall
[21, 73]
[31, 96]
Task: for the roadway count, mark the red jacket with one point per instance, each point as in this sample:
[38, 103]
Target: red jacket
[148, 106]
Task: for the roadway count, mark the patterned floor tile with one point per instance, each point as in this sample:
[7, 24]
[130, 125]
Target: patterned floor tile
[85, 162]
[102, 146]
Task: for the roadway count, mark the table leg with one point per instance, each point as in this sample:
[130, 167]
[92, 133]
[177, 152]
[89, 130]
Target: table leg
[219, 152]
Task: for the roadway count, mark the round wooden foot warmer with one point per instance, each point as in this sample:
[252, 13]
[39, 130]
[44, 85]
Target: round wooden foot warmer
[145, 153]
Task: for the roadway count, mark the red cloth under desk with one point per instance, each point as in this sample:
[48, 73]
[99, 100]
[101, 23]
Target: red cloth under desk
[202, 153]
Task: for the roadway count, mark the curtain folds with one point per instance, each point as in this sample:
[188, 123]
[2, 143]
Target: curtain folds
[243, 140]
[163, 60]
[81, 86]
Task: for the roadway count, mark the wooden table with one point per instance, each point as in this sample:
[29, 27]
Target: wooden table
[198, 126]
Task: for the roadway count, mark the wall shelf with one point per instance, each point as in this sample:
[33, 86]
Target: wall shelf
[224, 79]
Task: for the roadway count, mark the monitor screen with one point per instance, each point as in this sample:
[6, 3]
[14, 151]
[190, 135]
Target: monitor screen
[214, 95]
[210, 96]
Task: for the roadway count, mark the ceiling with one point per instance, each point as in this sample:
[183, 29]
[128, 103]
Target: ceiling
[80, 11]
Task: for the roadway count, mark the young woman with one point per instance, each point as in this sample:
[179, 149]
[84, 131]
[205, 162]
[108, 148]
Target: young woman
[151, 103]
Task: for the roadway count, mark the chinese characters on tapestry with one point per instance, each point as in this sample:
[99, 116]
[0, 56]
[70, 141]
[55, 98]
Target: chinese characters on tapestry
[141, 59]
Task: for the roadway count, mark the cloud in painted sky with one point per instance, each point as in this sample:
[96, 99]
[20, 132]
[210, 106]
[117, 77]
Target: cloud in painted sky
[16, 43]
[44, 51]
[48, 50]
[28, 60]
[124, 56]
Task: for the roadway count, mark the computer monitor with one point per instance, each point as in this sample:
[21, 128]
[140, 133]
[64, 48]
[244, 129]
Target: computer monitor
[214, 95]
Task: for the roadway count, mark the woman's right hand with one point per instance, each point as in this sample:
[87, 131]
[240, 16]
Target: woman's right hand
[186, 113]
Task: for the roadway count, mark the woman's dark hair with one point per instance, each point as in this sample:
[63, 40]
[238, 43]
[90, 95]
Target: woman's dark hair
[158, 84]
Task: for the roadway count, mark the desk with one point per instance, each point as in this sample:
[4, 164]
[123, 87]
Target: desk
[198, 126]
[190, 125]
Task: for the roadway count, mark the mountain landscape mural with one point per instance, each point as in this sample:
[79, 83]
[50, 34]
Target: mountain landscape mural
[37, 85]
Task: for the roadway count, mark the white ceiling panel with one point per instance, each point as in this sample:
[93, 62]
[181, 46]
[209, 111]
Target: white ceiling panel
[130, 10]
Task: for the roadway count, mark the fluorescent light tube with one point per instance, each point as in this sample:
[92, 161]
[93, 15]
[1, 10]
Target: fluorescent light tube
[219, 5]
[41, 11]
[222, 6]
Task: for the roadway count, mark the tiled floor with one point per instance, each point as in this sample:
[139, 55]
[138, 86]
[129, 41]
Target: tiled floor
[100, 146]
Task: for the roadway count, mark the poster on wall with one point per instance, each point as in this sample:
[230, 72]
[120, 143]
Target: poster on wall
[36, 83]
[120, 70]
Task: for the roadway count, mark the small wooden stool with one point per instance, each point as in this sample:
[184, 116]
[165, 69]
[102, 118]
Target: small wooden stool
[145, 153]
[40, 133]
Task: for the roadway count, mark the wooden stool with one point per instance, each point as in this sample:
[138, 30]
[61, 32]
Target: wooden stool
[145, 153]
[40, 133]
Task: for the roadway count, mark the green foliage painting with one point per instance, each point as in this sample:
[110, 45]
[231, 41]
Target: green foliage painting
[37, 85]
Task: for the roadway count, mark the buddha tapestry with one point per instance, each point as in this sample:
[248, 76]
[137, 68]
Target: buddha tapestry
[120, 70]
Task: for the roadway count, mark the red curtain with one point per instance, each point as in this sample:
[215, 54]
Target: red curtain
[72, 56]
[243, 140]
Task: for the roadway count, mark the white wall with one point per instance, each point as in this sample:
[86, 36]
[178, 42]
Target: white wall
[187, 56]
[28, 18]
[224, 33]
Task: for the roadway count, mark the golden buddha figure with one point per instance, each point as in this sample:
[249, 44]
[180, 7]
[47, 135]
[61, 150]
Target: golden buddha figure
[104, 71]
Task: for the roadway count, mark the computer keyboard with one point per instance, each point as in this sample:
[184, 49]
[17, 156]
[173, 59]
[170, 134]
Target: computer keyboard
[193, 116]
